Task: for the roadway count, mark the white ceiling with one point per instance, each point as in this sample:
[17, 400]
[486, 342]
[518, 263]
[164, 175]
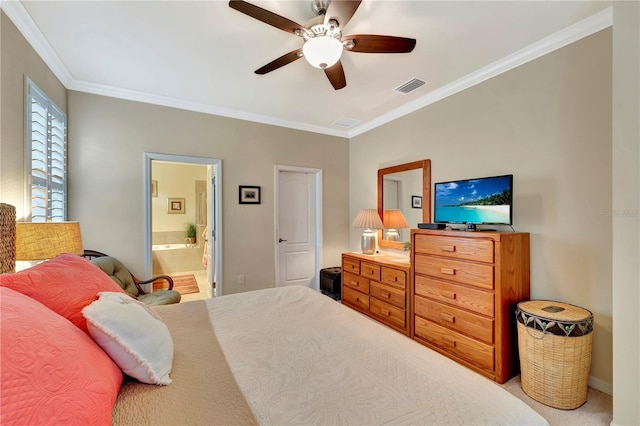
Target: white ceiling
[201, 56]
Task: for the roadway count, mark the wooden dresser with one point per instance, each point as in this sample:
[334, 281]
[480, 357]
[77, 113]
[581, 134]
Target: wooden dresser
[377, 286]
[464, 293]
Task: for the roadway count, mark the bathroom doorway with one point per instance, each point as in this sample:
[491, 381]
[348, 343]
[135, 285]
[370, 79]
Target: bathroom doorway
[182, 223]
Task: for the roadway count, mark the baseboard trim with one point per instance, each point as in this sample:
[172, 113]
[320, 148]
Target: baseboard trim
[601, 385]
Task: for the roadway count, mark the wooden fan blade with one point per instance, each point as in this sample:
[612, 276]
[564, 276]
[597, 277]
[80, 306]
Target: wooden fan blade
[266, 16]
[335, 74]
[370, 43]
[341, 11]
[280, 62]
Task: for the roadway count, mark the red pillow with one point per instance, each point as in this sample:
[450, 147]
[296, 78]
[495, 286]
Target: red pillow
[65, 284]
[50, 371]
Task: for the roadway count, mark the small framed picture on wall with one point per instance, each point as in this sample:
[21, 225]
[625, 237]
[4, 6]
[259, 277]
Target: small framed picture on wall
[175, 205]
[416, 201]
[249, 195]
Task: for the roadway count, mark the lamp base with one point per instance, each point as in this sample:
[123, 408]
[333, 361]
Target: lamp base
[392, 235]
[368, 242]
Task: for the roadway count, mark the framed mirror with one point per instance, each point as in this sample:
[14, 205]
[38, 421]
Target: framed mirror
[405, 188]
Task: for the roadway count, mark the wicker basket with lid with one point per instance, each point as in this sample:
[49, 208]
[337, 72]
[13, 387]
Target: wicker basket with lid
[554, 342]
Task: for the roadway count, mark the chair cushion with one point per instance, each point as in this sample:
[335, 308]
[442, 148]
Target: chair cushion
[118, 273]
[50, 371]
[64, 284]
[160, 297]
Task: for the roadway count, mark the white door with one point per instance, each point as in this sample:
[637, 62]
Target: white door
[297, 227]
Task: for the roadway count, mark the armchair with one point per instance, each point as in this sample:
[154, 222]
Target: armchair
[129, 283]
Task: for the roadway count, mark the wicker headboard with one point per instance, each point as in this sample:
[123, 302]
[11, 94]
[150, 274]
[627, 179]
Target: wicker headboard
[7, 238]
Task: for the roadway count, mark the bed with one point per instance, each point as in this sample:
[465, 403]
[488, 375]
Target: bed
[299, 357]
[294, 356]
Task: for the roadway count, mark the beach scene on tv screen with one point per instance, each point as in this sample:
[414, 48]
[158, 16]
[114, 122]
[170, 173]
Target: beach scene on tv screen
[486, 200]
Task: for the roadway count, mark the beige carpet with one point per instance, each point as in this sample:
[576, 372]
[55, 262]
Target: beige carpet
[598, 410]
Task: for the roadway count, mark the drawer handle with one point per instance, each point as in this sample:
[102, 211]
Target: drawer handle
[355, 283]
[357, 299]
[387, 295]
[447, 317]
[395, 279]
[448, 271]
[387, 313]
[449, 294]
[449, 341]
[449, 249]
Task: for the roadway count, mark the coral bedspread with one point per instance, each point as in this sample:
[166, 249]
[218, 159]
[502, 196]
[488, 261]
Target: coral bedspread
[297, 357]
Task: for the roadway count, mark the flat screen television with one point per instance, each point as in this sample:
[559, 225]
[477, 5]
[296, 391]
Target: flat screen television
[480, 201]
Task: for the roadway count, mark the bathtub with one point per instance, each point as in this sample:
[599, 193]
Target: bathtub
[157, 247]
[171, 259]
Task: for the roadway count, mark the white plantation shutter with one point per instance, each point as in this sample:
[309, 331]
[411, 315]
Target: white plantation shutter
[47, 151]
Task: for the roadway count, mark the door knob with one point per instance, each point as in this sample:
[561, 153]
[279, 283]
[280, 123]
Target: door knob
[281, 240]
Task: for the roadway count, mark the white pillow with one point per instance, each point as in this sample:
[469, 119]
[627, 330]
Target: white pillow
[133, 336]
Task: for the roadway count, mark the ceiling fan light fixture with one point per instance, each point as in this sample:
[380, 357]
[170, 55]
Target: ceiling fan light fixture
[322, 52]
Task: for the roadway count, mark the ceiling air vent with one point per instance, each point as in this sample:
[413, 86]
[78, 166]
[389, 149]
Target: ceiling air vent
[410, 86]
[346, 122]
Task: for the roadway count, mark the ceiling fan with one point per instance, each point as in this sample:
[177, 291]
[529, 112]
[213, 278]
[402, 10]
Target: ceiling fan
[323, 39]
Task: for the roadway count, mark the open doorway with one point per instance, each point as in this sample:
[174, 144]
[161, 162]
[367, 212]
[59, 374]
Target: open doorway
[182, 222]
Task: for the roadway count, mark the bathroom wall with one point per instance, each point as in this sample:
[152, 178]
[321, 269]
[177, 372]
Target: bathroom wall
[174, 181]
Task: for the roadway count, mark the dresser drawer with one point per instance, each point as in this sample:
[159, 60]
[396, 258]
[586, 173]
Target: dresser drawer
[469, 349]
[481, 302]
[460, 248]
[387, 312]
[356, 282]
[476, 274]
[370, 270]
[394, 277]
[356, 299]
[391, 295]
[351, 265]
[467, 323]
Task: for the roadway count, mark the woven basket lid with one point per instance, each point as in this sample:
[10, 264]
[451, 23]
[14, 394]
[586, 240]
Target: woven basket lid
[556, 311]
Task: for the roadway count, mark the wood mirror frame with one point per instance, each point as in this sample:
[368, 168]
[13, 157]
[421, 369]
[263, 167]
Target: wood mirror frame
[425, 165]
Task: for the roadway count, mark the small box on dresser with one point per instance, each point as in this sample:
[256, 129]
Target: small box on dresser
[464, 292]
[377, 286]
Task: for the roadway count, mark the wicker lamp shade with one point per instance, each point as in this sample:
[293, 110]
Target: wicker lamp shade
[7, 238]
[45, 240]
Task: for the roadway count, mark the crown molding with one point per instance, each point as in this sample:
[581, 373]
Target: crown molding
[167, 101]
[22, 20]
[562, 38]
[30, 31]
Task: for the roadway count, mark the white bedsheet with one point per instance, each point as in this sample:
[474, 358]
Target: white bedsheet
[301, 358]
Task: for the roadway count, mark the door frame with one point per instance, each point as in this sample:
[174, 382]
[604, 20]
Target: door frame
[318, 225]
[214, 211]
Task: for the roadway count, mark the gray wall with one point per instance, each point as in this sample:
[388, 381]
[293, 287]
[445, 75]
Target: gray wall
[18, 59]
[547, 122]
[107, 139]
[626, 203]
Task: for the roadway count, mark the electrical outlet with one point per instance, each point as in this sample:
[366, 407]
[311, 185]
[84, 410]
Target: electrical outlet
[240, 279]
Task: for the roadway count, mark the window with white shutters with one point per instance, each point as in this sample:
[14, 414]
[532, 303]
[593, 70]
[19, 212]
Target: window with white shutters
[46, 148]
